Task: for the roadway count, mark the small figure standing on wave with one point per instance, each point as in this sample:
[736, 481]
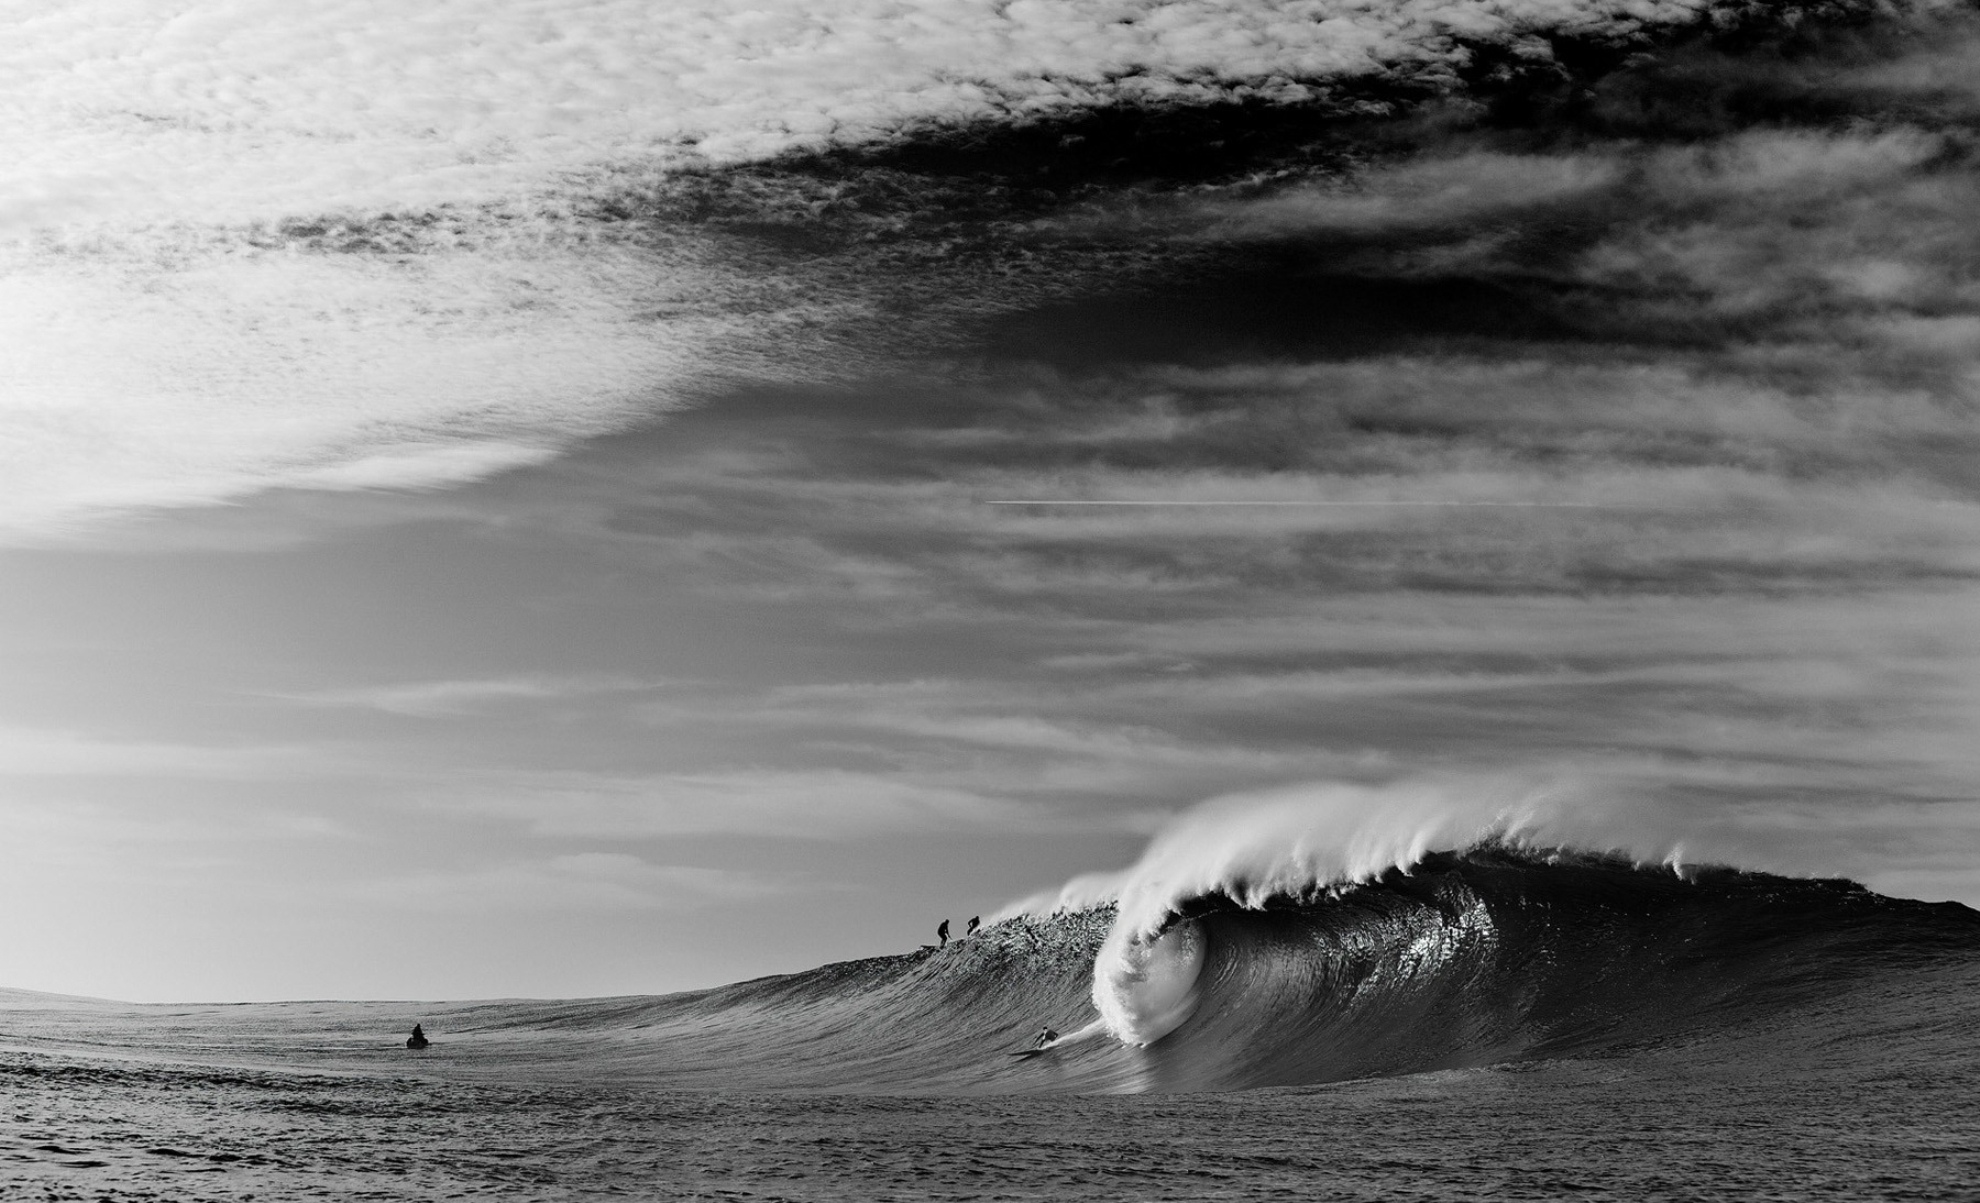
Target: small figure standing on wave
[942, 933]
[971, 929]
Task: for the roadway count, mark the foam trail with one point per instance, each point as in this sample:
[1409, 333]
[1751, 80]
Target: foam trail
[1097, 1028]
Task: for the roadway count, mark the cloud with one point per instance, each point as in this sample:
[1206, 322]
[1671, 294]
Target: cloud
[1770, 610]
[1460, 190]
[585, 881]
[227, 111]
[31, 752]
[223, 371]
[444, 699]
[807, 804]
[1453, 473]
[419, 465]
[245, 245]
[1799, 253]
[1767, 593]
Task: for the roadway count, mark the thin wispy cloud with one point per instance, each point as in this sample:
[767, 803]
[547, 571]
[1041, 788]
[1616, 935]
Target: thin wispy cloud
[587, 881]
[789, 804]
[31, 752]
[1557, 505]
[442, 699]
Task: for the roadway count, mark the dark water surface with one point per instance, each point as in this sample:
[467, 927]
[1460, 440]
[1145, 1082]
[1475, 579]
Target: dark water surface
[1873, 1095]
[1831, 1113]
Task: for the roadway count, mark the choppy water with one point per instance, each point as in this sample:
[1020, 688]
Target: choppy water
[1494, 1025]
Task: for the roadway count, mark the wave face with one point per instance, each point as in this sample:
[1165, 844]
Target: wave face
[1471, 958]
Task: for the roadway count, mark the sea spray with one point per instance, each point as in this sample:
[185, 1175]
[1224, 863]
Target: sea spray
[1287, 843]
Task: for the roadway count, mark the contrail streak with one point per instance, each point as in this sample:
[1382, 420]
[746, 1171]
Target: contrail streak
[1543, 505]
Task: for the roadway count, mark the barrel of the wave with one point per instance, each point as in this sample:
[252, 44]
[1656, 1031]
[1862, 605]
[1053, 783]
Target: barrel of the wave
[1144, 985]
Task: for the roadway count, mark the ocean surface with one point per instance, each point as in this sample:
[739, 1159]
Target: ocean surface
[1494, 1024]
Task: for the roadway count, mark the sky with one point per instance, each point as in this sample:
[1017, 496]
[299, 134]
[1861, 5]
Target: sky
[502, 497]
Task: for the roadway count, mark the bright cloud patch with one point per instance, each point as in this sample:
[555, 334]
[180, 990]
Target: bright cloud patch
[139, 383]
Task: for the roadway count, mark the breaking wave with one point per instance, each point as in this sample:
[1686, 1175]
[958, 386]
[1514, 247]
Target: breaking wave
[1426, 935]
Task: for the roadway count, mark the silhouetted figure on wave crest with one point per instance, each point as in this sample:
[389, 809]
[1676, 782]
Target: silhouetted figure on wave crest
[943, 933]
[972, 925]
[418, 1038]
